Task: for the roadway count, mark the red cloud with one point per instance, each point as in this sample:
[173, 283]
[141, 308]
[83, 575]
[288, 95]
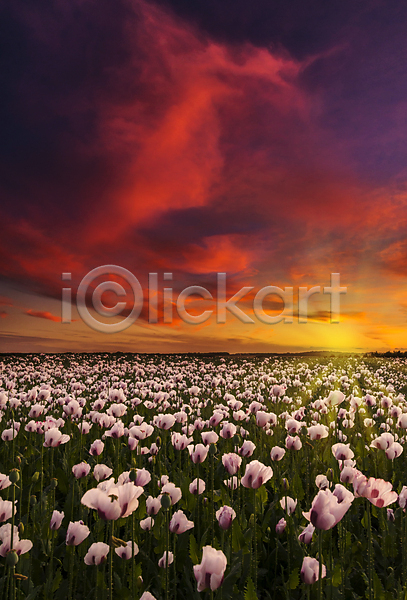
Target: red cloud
[227, 131]
[5, 301]
[40, 314]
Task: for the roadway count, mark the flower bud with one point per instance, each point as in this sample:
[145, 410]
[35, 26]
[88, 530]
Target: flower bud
[12, 558]
[35, 477]
[285, 484]
[133, 474]
[166, 501]
[390, 515]
[14, 476]
[54, 483]
[21, 528]
[212, 449]
[33, 500]
[330, 475]
[158, 441]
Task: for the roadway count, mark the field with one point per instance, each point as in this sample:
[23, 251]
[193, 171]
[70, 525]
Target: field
[298, 462]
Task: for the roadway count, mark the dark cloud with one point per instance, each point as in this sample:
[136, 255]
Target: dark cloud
[301, 28]
[198, 137]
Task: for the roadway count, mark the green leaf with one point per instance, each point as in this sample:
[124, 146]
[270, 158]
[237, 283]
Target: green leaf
[117, 581]
[378, 587]
[337, 575]
[238, 537]
[294, 579]
[298, 487]
[34, 593]
[57, 581]
[193, 549]
[250, 592]
[262, 494]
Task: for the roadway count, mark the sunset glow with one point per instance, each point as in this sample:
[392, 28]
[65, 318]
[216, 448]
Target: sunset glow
[168, 137]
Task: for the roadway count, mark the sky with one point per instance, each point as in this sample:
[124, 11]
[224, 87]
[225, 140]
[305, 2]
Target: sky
[263, 140]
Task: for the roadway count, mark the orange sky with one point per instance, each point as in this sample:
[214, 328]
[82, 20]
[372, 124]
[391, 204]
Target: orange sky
[159, 143]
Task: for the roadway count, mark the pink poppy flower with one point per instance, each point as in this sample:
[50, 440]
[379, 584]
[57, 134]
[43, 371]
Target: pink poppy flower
[165, 421]
[247, 448]
[53, 438]
[97, 553]
[81, 470]
[56, 520]
[216, 418]
[173, 491]
[6, 507]
[180, 442]
[231, 462]
[162, 563]
[179, 523]
[317, 432]
[143, 477]
[228, 431]
[96, 448]
[199, 454]
[193, 487]
[256, 474]
[288, 504]
[394, 451]
[342, 451]
[306, 534]
[277, 453]
[329, 508]
[101, 472]
[126, 551]
[147, 524]
[209, 437]
[293, 443]
[153, 505]
[377, 491]
[225, 516]
[76, 533]
[310, 570]
[281, 525]
[211, 570]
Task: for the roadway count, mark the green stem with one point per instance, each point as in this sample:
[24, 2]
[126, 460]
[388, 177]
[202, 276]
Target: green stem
[175, 569]
[370, 558]
[212, 501]
[255, 540]
[167, 548]
[288, 528]
[320, 564]
[13, 498]
[51, 562]
[133, 589]
[111, 564]
[197, 507]
[42, 471]
[404, 542]
[71, 562]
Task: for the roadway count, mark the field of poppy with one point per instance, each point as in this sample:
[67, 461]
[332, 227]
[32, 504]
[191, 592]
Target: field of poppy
[172, 477]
